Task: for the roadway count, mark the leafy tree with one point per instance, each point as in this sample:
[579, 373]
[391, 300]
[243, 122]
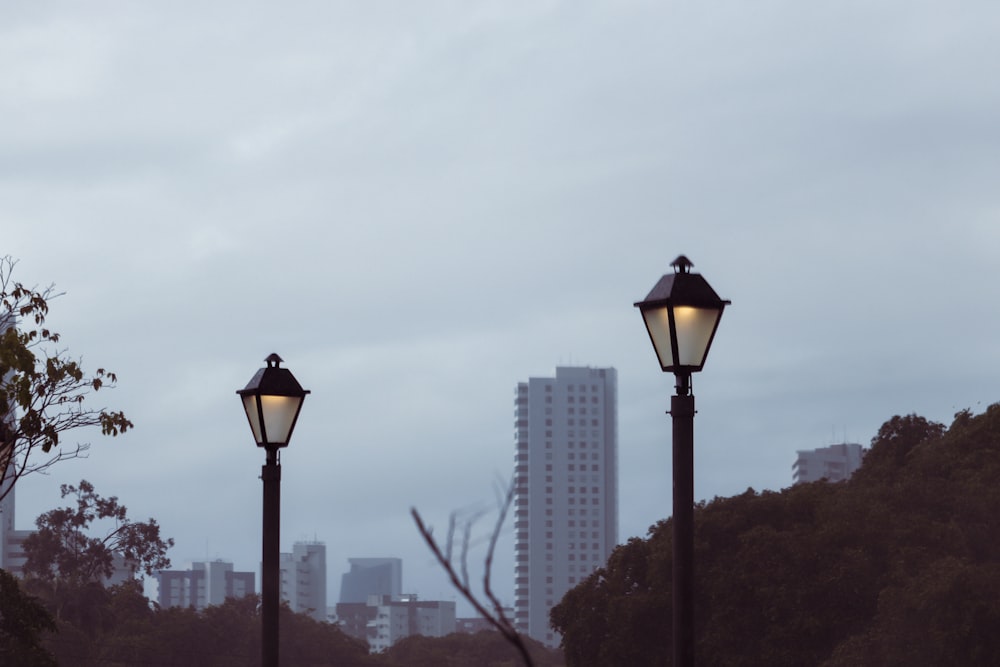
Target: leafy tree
[43, 391]
[61, 549]
[897, 566]
[22, 622]
[67, 568]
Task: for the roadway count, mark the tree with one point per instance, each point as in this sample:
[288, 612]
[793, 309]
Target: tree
[22, 622]
[486, 648]
[42, 390]
[899, 565]
[61, 549]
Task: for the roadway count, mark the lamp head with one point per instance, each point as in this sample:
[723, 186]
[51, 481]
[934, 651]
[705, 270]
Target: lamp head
[272, 400]
[681, 314]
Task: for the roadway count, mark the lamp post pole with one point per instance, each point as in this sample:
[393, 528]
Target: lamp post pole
[681, 314]
[682, 413]
[270, 585]
[272, 400]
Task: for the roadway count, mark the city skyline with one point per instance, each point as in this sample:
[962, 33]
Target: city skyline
[419, 204]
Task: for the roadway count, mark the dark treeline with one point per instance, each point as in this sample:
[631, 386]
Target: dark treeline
[898, 566]
[117, 627]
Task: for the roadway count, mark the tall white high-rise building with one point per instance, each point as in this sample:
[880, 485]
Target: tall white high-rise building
[566, 488]
[303, 579]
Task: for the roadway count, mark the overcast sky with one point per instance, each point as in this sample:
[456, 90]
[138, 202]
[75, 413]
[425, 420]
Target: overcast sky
[419, 204]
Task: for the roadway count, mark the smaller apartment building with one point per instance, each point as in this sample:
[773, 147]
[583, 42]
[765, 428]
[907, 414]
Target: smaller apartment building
[205, 584]
[405, 616]
[835, 463]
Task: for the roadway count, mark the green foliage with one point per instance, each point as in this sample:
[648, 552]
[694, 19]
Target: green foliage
[61, 550]
[43, 391]
[484, 649]
[226, 635]
[898, 566]
[23, 620]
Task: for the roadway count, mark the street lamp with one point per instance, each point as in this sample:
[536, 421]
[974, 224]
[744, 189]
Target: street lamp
[681, 313]
[272, 400]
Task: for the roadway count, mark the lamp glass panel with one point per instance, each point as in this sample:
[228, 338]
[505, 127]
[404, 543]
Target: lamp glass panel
[694, 333]
[250, 405]
[658, 324]
[279, 415]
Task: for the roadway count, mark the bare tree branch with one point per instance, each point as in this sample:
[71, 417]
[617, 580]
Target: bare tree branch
[495, 615]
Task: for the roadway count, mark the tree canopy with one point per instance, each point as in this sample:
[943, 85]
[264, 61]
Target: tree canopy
[62, 549]
[900, 565]
[43, 391]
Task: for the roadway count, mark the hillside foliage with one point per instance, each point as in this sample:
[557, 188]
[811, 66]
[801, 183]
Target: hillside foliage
[900, 565]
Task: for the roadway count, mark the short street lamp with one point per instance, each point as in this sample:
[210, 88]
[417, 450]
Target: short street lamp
[272, 400]
[681, 314]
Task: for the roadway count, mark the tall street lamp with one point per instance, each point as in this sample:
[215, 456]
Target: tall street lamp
[272, 400]
[681, 313]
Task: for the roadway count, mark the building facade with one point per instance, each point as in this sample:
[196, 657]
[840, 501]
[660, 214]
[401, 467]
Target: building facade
[565, 486]
[394, 619]
[834, 463]
[303, 579]
[371, 576]
[206, 583]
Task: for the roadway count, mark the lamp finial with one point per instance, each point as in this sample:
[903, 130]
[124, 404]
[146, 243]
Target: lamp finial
[682, 264]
